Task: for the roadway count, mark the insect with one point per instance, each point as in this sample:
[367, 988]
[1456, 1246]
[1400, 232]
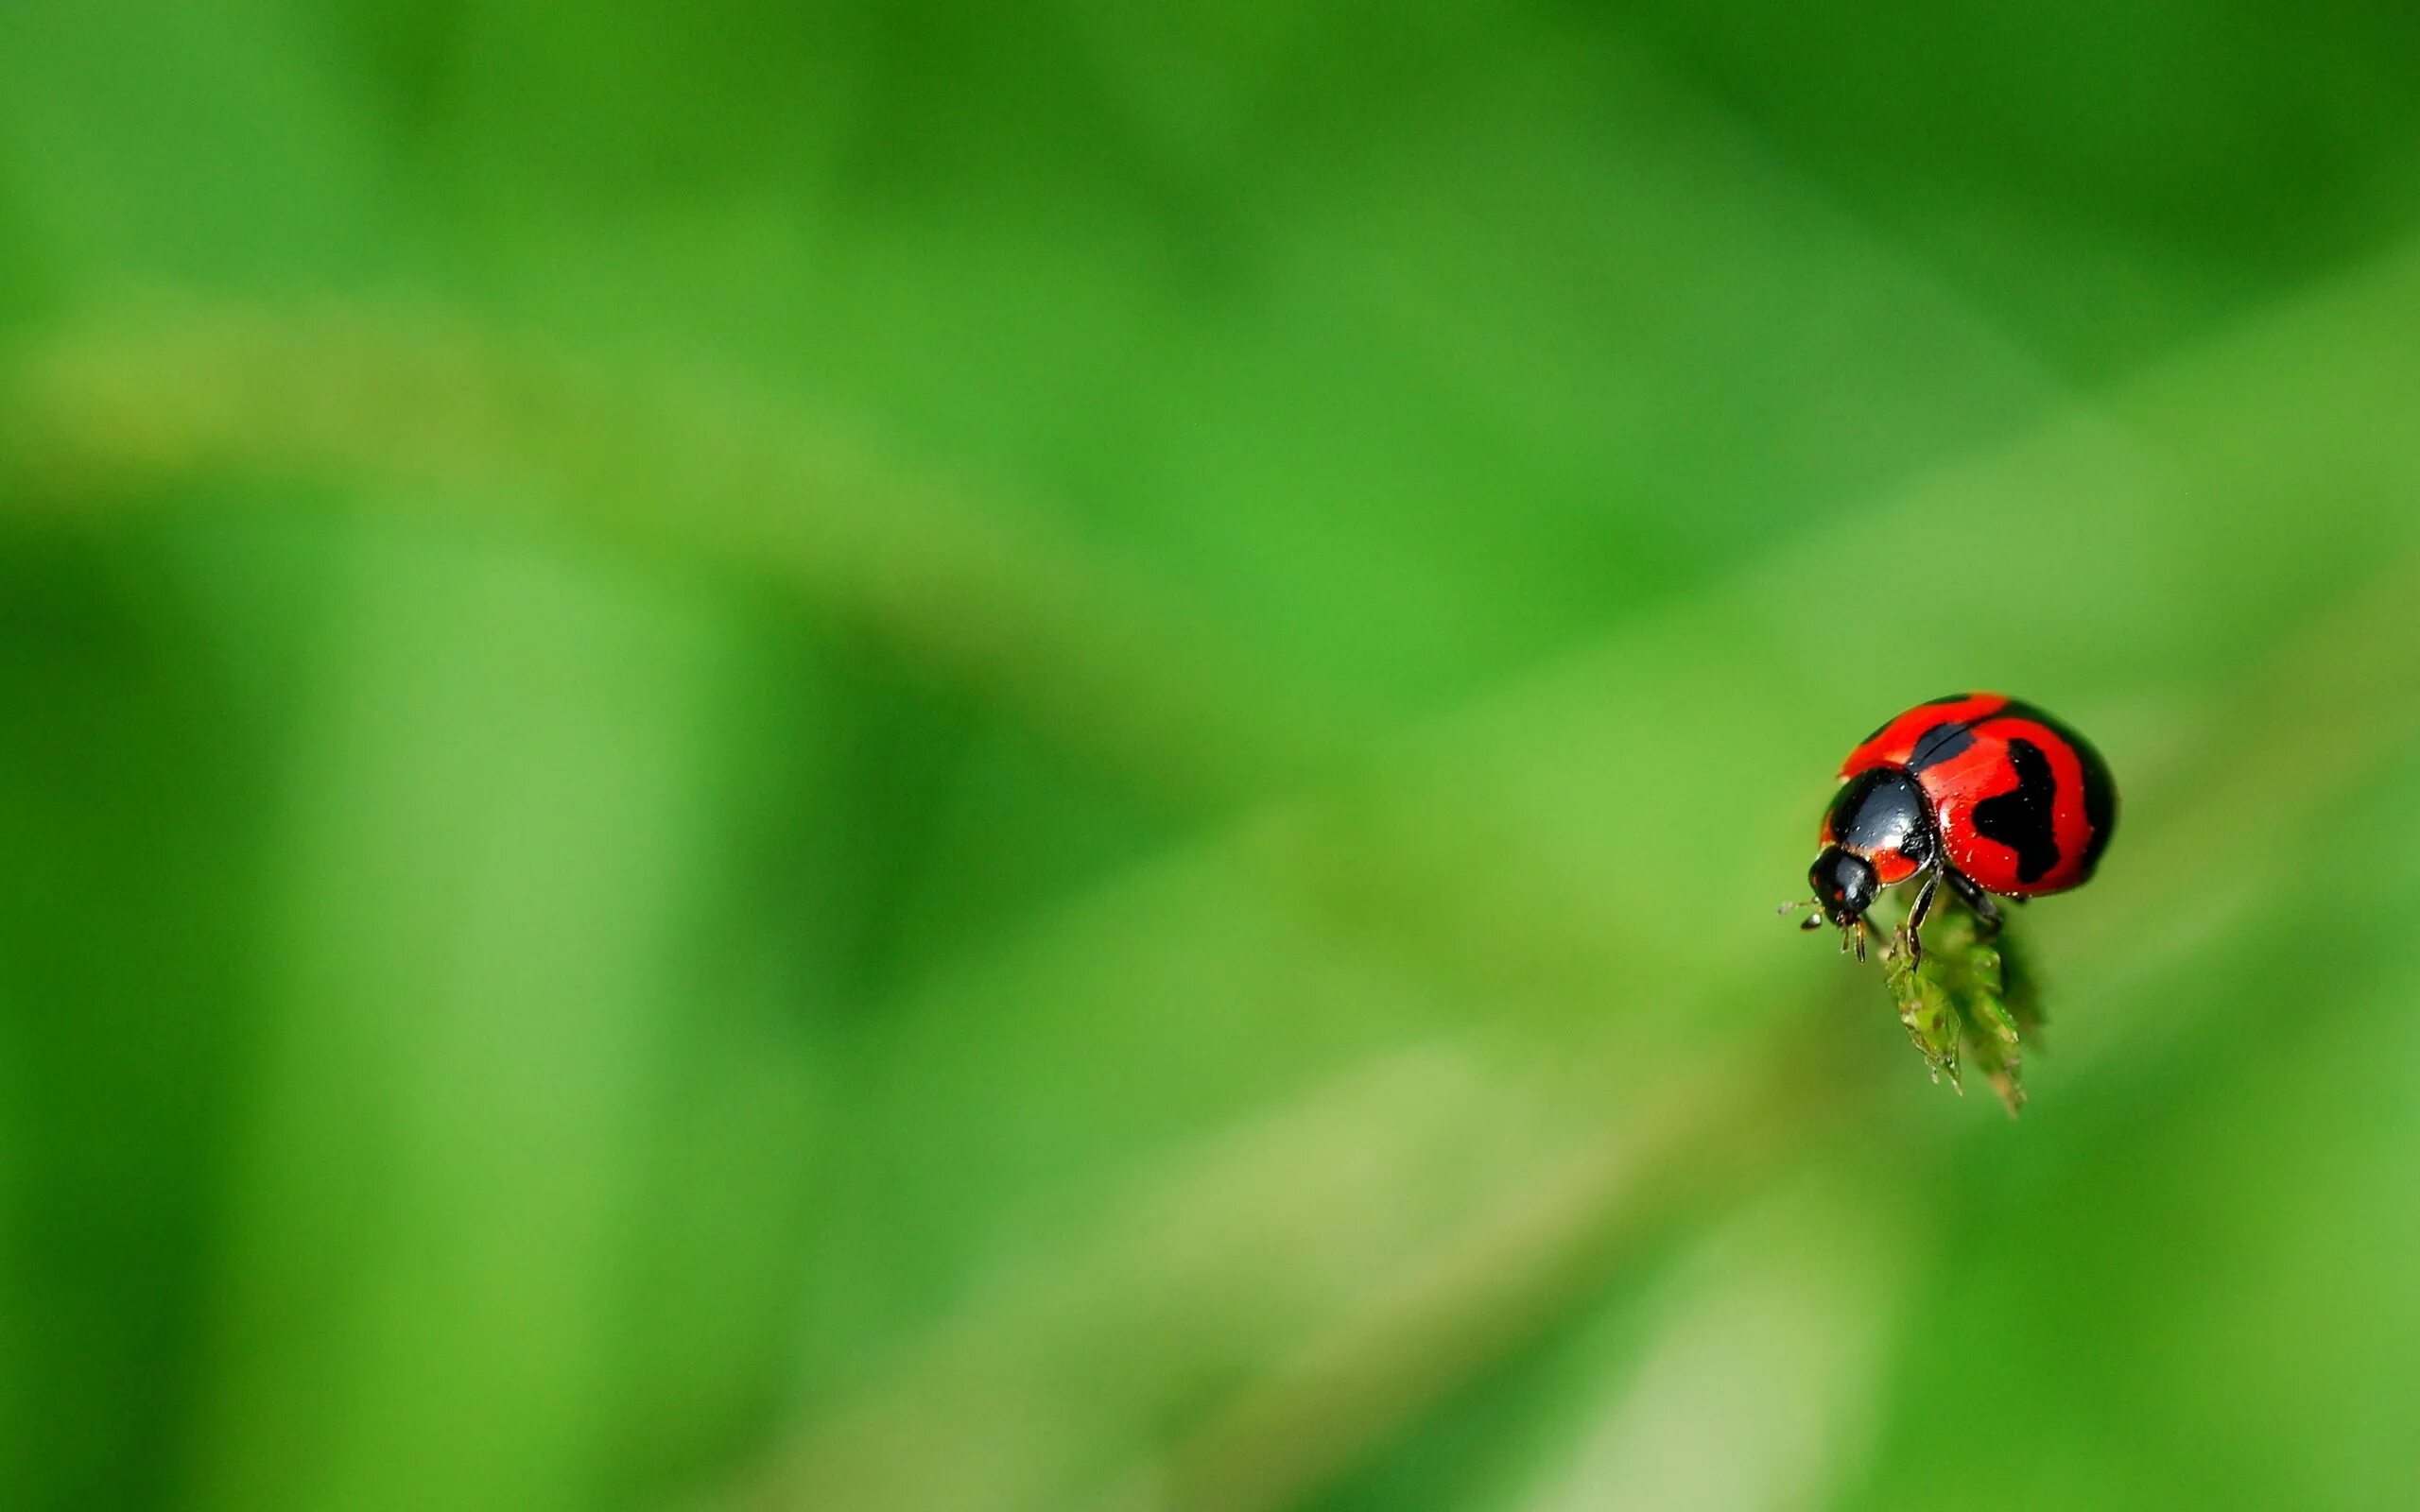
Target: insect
[1977, 791]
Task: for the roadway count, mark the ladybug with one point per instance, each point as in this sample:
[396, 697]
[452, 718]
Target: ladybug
[1978, 790]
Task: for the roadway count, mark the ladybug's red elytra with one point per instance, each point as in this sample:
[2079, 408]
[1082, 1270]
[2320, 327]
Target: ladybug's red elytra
[1977, 790]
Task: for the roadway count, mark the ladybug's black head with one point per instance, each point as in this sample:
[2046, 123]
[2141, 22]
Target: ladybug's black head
[1844, 885]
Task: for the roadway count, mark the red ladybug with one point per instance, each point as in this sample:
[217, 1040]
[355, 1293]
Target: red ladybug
[1978, 790]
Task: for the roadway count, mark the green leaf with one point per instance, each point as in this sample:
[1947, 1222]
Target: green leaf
[1967, 998]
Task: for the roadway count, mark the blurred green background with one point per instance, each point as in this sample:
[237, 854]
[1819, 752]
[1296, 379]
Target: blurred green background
[933, 756]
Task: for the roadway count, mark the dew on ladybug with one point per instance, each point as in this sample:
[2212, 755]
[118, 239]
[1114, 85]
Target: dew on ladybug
[1977, 791]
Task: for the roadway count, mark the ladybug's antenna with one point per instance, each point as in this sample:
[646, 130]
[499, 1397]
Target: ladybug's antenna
[1811, 920]
[1852, 935]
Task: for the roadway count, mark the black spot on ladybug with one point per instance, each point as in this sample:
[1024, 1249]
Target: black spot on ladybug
[2099, 804]
[2020, 818]
[2099, 793]
[1947, 697]
[1938, 743]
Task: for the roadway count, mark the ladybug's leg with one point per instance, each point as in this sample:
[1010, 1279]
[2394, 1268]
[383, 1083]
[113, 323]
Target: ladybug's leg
[1916, 912]
[1986, 912]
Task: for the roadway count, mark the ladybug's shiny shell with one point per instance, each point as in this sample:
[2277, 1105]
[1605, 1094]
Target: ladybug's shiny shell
[2023, 805]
